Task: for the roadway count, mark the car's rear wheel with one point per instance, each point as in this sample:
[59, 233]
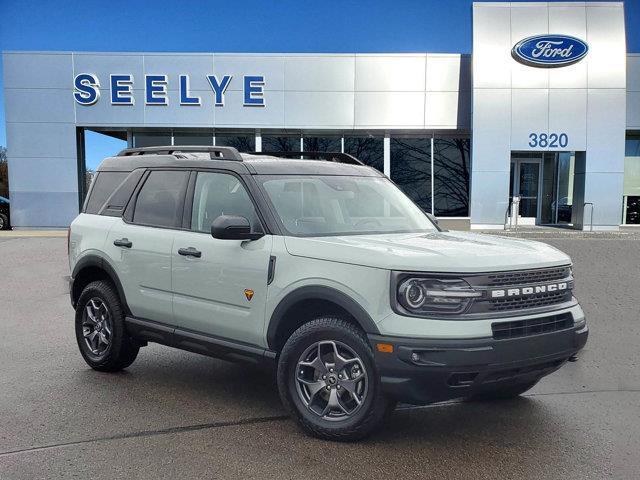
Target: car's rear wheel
[4, 221]
[502, 392]
[328, 378]
[100, 331]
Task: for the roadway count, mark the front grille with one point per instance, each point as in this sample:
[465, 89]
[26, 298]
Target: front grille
[532, 301]
[525, 277]
[532, 326]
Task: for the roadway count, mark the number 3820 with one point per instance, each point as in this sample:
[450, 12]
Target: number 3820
[552, 140]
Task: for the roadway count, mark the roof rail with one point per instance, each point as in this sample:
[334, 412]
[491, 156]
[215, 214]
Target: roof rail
[337, 157]
[216, 153]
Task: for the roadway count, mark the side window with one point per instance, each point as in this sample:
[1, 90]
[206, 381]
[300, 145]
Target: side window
[218, 194]
[104, 185]
[160, 199]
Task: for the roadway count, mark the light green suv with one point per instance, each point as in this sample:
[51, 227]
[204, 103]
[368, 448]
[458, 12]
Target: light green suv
[322, 267]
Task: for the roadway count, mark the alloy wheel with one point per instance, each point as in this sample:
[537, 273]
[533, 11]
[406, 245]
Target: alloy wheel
[331, 380]
[97, 326]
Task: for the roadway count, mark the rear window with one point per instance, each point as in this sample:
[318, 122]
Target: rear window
[104, 185]
[161, 198]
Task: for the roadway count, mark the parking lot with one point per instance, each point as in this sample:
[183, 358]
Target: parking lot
[176, 414]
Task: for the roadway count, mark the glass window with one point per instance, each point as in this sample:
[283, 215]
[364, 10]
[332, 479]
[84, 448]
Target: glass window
[452, 176]
[243, 142]
[322, 144]
[281, 143]
[220, 194]
[342, 205]
[104, 184]
[632, 211]
[631, 184]
[193, 138]
[369, 150]
[151, 139]
[160, 199]
[411, 168]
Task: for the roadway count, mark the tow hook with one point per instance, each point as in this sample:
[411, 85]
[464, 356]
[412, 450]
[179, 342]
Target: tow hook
[573, 358]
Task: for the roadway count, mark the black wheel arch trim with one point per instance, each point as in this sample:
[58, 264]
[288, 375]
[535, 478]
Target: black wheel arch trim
[318, 292]
[97, 261]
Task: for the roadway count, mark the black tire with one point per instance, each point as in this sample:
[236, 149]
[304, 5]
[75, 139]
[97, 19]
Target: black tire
[122, 350]
[374, 407]
[503, 392]
[4, 222]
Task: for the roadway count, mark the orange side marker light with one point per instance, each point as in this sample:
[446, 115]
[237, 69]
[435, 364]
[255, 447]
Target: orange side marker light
[384, 347]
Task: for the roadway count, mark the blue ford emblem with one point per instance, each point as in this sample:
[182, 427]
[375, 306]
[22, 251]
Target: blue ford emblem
[549, 51]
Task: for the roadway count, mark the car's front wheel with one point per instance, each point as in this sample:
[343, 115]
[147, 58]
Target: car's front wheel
[328, 378]
[4, 222]
[100, 331]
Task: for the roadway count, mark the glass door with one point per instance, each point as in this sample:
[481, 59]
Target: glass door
[524, 185]
[557, 188]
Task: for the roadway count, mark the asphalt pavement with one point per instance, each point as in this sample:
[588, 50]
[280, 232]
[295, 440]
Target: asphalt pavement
[174, 414]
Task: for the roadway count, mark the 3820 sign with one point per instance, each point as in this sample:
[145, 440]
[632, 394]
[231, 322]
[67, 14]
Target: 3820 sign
[551, 140]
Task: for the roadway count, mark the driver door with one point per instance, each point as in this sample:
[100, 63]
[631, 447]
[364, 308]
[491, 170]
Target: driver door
[220, 286]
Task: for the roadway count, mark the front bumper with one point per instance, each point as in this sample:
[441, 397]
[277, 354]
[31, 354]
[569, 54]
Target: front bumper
[421, 371]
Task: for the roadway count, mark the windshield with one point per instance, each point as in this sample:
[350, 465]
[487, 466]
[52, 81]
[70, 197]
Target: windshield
[342, 205]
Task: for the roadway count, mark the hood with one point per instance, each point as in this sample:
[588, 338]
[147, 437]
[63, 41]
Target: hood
[459, 252]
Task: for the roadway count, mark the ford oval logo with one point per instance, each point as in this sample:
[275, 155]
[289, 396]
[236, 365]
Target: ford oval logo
[549, 51]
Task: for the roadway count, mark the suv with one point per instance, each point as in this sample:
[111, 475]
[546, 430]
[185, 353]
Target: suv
[322, 267]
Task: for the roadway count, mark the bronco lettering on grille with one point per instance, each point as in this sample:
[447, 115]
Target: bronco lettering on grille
[524, 291]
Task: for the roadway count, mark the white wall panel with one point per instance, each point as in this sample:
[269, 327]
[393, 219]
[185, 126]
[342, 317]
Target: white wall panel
[318, 109]
[271, 66]
[319, 73]
[607, 55]
[235, 114]
[528, 19]
[39, 70]
[491, 46]
[386, 73]
[175, 65]
[569, 20]
[445, 110]
[448, 73]
[41, 140]
[606, 118]
[529, 114]
[491, 128]
[568, 114]
[105, 64]
[389, 109]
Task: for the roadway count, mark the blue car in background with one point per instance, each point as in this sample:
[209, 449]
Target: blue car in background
[4, 213]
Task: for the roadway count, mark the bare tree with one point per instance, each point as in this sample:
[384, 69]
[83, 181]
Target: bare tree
[4, 173]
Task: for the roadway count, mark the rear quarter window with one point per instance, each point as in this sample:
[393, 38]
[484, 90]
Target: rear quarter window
[103, 186]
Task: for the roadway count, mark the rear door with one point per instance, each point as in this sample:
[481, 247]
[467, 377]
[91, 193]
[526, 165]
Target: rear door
[140, 244]
[220, 288]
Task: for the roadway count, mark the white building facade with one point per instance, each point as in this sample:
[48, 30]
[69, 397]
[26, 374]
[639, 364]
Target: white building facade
[499, 136]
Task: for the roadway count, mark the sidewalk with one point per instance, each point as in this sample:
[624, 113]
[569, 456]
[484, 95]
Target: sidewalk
[548, 232]
[32, 233]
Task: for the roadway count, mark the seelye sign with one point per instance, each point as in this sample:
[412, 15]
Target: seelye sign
[549, 51]
[86, 89]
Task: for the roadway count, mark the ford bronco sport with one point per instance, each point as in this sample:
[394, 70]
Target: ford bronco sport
[324, 268]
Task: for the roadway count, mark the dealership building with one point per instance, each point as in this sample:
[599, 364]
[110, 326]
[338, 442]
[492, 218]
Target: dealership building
[540, 125]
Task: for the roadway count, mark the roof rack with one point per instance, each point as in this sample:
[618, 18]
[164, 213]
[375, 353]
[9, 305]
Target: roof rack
[216, 153]
[337, 157]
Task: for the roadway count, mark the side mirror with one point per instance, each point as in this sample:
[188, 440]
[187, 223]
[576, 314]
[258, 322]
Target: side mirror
[231, 227]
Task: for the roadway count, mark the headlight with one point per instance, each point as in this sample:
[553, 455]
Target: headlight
[423, 295]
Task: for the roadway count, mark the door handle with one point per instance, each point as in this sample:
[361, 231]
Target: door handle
[190, 252]
[123, 242]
